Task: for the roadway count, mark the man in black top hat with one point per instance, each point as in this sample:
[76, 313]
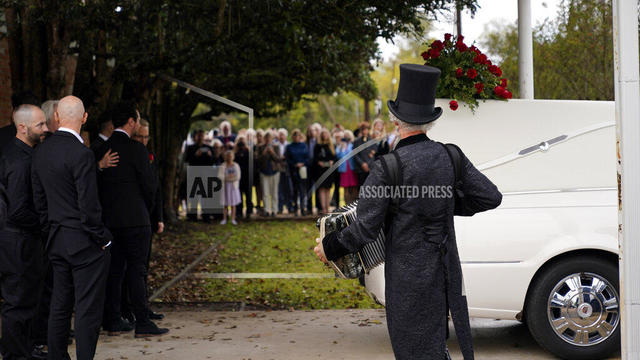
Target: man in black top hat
[423, 276]
[20, 245]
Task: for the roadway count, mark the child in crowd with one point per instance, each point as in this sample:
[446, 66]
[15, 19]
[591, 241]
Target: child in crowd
[230, 174]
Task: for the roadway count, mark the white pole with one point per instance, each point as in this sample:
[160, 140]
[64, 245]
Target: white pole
[525, 49]
[627, 94]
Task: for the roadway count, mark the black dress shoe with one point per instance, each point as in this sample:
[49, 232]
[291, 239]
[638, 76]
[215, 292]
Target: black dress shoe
[121, 326]
[155, 316]
[129, 317]
[149, 329]
[39, 352]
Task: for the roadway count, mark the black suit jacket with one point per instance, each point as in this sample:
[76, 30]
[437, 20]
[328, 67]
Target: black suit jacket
[363, 156]
[157, 212]
[7, 134]
[65, 189]
[15, 175]
[127, 191]
[96, 147]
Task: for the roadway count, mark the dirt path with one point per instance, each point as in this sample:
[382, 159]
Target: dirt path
[323, 334]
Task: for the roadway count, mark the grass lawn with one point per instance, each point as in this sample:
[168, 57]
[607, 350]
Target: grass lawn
[279, 246]
[282, 246]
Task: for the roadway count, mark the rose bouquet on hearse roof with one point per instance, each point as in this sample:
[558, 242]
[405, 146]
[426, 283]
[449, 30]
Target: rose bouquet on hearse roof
[467, 74]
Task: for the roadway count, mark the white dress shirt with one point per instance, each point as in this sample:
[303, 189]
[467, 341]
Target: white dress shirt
[122, 131]
[75, 133]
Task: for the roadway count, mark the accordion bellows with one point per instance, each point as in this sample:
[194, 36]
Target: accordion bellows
[354, 265]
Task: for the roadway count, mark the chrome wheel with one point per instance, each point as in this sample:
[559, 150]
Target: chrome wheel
[583, 309]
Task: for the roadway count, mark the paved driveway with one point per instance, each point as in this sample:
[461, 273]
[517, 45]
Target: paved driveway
[322, 334]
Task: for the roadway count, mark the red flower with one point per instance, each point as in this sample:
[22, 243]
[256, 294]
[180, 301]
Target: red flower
[495, 70]
[479, 87]
[425, 55]
[438, 45]
[507, 94]
[472, 73]
[482, 58]
[459, 72]
[499, 90]
[475, 50]
[503, 83]
[460, 38]
[151, 157]
[477, 59]
[461, 46]
[434, 53]
[447, 37]
[453, 105]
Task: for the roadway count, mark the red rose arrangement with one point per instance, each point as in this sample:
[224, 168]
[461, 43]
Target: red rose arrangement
[467, 74]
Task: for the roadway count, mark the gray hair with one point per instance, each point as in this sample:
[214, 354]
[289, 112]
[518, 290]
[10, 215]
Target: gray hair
[49, 107]
[225, 123]
[26, 114]
[412, 127]
[283, 131]
[349, 134]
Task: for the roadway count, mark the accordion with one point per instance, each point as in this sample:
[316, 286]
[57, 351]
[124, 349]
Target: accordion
[352, 266]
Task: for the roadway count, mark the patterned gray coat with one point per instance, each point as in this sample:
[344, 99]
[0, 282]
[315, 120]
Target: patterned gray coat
[418, 272]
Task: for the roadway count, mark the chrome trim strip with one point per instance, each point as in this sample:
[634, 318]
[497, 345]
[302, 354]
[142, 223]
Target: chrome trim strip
[530, 192]
[544, 145]
[489, 262]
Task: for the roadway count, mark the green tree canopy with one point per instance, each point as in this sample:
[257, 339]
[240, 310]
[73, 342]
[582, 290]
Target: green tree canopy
[266, 54]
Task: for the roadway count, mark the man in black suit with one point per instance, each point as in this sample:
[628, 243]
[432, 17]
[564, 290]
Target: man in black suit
[66, 198]
[106, 129]
[127, 193]
[156, 216]
[20, 246]
[364, 159]
[8, 132]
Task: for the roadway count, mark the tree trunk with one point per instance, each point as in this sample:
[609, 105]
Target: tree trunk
[367, 113]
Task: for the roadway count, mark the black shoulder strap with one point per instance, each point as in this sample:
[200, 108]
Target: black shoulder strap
[391, 164]
[456, 158]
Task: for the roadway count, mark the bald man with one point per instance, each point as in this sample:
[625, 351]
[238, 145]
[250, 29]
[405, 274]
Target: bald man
[66, 197]
[20, 246]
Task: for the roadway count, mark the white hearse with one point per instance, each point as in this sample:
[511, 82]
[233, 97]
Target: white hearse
[548, 256]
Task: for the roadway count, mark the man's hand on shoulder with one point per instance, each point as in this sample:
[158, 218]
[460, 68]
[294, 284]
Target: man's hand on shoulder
[110, 159]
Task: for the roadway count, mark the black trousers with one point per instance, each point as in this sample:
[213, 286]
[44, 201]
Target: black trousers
[129, 254]
[20, 281]
[80, 270]
[247, 201]
[41, 321]
[125, 303]
[335, 197]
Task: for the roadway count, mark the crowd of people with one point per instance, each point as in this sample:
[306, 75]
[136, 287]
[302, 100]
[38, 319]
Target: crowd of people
[286, 170]
[76, 225]
[76, 221]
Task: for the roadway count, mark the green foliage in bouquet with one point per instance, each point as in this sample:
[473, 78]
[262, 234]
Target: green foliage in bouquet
[467, 74]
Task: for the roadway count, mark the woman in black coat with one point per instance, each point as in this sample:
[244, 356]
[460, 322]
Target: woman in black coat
[324, 154]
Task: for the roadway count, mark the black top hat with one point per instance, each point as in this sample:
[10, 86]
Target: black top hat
[416, 94]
